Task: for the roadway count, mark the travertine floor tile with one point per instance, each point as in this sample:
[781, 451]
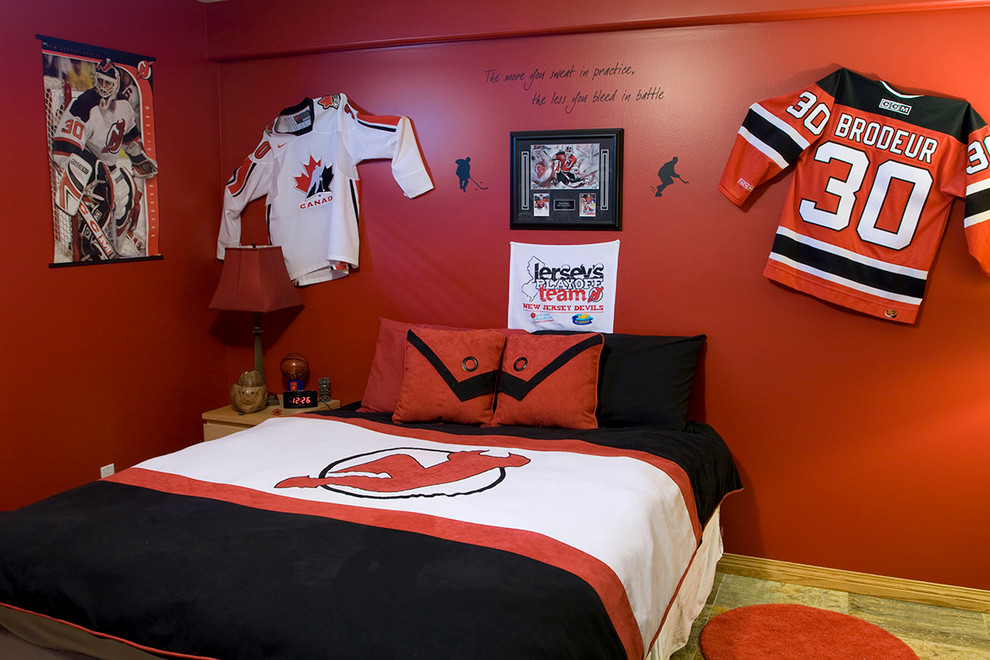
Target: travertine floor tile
[931, 650]
[923, 623]
[934, 633]
[738, 591]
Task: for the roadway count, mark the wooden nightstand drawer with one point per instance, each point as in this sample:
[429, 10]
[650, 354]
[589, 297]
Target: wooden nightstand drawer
[214, 430]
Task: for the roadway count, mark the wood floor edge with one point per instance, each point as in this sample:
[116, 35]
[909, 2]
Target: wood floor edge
[929, 593]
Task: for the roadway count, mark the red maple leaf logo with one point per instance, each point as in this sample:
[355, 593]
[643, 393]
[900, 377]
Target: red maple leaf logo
[304, 180]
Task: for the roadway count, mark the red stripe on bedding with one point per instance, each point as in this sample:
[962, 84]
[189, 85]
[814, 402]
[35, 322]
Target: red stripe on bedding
[528, 544]
[672, 469]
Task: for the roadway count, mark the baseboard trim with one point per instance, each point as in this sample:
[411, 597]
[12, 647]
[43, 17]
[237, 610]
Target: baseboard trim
[929, 593]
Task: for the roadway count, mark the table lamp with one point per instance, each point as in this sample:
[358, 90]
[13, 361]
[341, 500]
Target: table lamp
[254, 279]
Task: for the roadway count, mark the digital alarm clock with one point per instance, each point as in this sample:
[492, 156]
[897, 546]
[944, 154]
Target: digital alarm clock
[300, 399]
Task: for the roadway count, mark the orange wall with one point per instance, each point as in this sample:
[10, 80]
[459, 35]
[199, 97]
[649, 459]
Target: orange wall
[863, 444]
[110, 363]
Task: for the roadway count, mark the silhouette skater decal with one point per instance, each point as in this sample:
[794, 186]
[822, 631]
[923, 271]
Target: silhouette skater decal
[667, 176]
[463, 172]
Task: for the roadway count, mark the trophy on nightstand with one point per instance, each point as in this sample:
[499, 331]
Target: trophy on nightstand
[295, 371]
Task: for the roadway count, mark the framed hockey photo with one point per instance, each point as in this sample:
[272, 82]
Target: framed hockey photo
[569, 179]
[99, 113]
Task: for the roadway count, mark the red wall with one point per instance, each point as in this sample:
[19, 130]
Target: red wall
[110, 363]
[863, 444]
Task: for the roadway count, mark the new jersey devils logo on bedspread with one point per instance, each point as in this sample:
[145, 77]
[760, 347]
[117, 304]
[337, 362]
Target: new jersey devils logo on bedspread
[412, 472]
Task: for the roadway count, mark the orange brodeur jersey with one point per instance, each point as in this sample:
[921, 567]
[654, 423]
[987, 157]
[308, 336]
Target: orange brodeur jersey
[875, 177]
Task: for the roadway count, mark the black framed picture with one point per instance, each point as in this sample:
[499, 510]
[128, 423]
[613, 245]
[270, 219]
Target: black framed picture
[570, 179]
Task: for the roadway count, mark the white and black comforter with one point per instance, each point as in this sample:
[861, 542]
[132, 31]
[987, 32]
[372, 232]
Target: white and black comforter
[344, 536]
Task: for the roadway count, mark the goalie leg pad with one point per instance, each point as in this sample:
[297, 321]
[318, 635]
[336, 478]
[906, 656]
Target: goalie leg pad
[124, 191]
[98, 236]
[71, 187]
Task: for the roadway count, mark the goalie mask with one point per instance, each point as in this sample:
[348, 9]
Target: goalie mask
[107, 80]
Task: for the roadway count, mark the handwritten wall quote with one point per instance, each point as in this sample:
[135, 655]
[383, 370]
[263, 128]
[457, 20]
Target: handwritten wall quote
[603, 85]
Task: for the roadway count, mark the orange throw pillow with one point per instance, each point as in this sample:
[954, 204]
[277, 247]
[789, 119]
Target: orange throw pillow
[549, 380]
[449, 376]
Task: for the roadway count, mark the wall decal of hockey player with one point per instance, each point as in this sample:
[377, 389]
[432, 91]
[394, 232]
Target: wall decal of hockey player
[100, 187]
[667, 176]
[463, 172]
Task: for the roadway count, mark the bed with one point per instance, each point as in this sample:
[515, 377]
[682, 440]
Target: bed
[495, 494]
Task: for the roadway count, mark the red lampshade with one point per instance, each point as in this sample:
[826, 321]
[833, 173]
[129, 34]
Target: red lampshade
[254, 279]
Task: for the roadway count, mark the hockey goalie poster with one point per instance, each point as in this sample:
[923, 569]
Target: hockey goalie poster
[101, 147]
[562, 287]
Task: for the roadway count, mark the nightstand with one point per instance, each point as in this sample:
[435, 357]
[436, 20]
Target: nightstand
[224, 421]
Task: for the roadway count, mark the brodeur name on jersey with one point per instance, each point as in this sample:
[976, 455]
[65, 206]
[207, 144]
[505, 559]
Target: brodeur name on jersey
[306, 166]
[875, 177]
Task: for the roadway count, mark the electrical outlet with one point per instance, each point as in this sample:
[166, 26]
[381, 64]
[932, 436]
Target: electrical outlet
[106, 471]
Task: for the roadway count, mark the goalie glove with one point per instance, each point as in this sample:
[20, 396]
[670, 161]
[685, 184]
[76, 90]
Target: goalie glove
[144, 167]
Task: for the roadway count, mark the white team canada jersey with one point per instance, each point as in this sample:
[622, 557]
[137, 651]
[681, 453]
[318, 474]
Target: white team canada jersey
[876, 174]
[306, 165]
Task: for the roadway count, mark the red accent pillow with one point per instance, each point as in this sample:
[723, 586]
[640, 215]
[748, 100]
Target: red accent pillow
[449, 376]
[382, 390]
[549, 380]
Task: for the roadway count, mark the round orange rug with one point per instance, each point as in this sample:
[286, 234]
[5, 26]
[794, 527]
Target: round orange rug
[773, 631]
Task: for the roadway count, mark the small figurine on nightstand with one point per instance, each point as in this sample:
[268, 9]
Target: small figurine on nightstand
[295, 370]
[249, 393]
